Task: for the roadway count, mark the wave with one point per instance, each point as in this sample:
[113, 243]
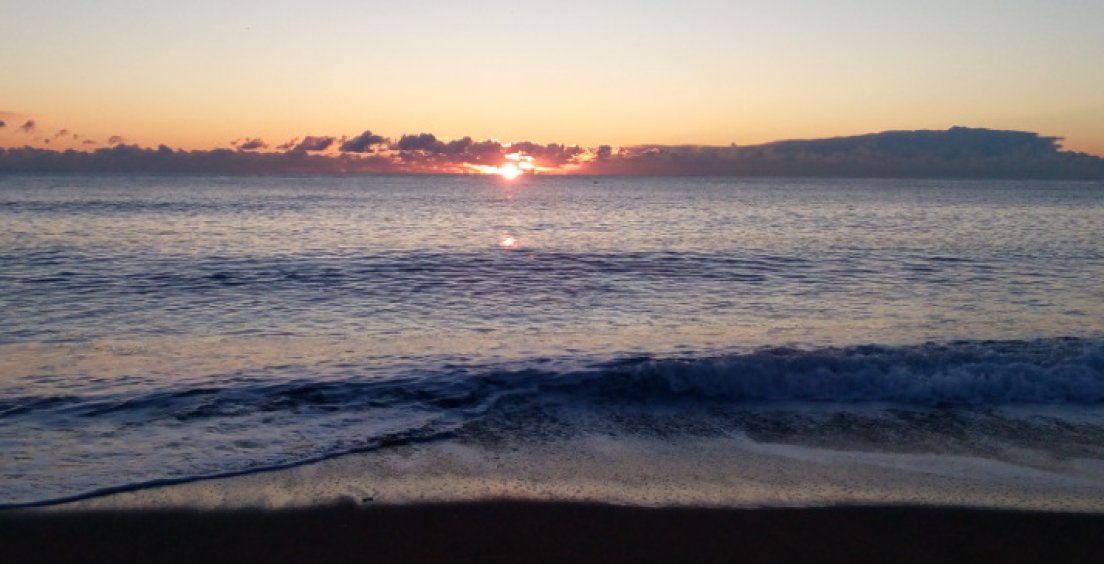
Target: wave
[256, 422]
[960, 373]
[1052, 371]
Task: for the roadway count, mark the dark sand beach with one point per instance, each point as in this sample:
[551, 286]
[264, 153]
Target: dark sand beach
[506, 531]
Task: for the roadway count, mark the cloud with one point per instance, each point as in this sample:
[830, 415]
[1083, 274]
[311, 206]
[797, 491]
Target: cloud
[116, 140]
[363, 143]
[253, 144]
[288, 145]
[479, 152]
[61, 133]
[88, 142]
[3, 124]
[422, 142]
[28, 126]
[551, 154]
[957, 152]
[133, 159]
[424, 151]
[315, 143]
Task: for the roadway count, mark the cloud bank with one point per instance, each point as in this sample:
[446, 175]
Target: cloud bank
[958, 152]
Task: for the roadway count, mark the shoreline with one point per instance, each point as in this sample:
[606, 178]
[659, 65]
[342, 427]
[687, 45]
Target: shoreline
[536, 531]
[720, 471]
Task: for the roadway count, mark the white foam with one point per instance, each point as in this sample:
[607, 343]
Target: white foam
[730, 471]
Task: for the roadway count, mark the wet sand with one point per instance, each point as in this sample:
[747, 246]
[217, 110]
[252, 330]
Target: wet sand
[506, 531]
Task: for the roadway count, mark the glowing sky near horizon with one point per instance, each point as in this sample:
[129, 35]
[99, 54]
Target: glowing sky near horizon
[199, 74]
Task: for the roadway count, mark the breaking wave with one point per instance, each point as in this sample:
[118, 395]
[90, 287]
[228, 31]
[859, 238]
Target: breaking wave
[275, 420]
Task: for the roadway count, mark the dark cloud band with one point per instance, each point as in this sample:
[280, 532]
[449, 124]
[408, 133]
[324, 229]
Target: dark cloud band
[957, 152]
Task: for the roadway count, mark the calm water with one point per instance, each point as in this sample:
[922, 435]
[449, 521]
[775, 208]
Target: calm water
[169, 328]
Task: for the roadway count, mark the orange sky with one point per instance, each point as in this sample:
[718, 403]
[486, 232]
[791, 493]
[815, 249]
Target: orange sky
[201, 74]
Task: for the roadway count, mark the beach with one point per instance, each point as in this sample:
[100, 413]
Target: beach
[697, 500]
[518, 531]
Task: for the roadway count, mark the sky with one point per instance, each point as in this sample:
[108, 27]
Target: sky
[204, 74]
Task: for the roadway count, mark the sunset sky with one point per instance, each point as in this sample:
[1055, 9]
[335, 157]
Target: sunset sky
[202, 74]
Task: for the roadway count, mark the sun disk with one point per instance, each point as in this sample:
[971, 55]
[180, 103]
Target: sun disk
[509, 171]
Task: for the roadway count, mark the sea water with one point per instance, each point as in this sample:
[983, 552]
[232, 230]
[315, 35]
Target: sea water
[163, 329]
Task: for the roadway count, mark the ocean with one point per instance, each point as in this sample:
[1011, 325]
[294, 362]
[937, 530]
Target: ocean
[637, 340]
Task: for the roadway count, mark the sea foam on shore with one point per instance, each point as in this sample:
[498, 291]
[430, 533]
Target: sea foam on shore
[613, 467]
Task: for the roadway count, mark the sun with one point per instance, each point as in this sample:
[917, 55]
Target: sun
[517, 164]
[509, 171]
